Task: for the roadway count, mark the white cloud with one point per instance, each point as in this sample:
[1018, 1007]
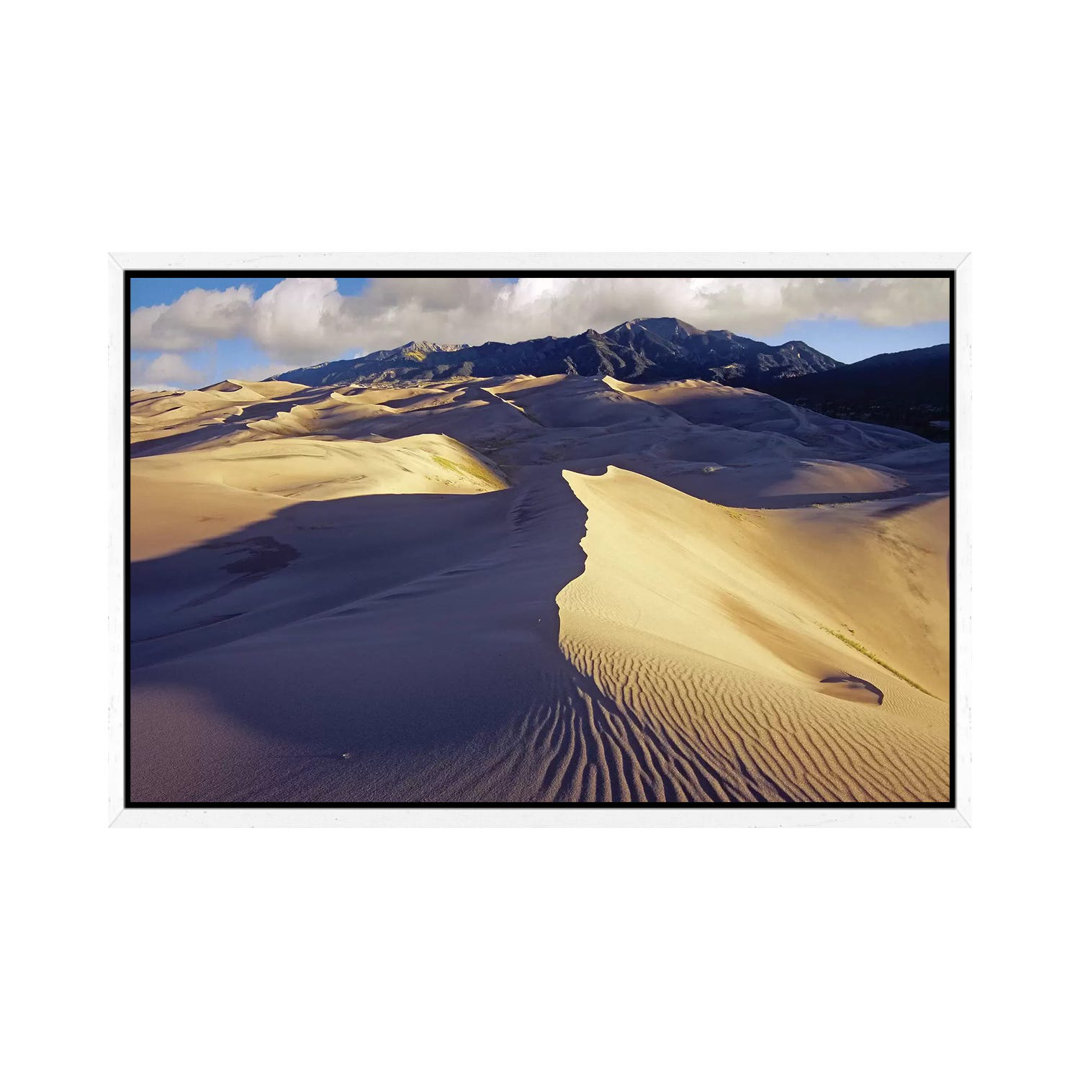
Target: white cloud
[199, 317]
[303, 320]
[164, 372]
[307, 320]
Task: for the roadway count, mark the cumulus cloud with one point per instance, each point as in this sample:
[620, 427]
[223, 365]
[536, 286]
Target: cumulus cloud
[307, 320]
[199, 317]
[304, 320]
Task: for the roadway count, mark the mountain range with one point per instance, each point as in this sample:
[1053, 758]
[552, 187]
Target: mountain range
[641, 350]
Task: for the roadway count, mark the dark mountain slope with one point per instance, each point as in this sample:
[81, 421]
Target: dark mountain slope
[911, 390]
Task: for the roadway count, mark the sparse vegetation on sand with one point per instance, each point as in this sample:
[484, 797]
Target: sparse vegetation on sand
[749, 517]
[469, 468]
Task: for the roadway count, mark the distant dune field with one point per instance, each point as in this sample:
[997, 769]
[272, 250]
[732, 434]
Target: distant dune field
[533, 589]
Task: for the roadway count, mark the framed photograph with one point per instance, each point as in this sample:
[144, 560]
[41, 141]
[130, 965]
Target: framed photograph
[540, 540]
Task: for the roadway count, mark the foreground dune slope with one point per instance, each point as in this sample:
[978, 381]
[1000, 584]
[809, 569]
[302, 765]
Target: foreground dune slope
[532, 590]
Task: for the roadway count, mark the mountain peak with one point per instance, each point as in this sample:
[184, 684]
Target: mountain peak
[663, 326]
[427, 347]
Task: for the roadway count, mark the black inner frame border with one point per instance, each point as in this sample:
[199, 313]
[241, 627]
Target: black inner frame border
[130, 275]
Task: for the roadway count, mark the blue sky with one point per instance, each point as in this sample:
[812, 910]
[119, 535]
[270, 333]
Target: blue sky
[847, 340]
[148, 291]
[254, 327]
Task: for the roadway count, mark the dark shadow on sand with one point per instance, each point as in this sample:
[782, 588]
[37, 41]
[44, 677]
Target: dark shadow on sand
[402, 621]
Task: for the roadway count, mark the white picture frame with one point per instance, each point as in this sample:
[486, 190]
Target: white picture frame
[546, 816]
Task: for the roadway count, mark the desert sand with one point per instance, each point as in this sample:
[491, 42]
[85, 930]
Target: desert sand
[557, 589]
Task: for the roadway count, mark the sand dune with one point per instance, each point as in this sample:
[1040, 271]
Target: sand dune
[676, 592]
[715, 628]
[208, 492]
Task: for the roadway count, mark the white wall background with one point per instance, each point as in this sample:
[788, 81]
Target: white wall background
[563, 126]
